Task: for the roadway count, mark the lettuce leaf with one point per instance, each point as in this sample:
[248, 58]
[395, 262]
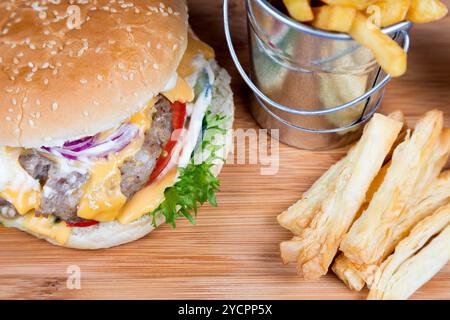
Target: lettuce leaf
[196, 183]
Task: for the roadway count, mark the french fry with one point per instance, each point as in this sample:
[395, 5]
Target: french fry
[349, 272]
[357, 4]
[298, 216]
[300, 10]
[407, 177]
[318, 243]
[423, 11]
[416, 259]
[390, 11]
[436, 196]
[387, 52]
[334, 18]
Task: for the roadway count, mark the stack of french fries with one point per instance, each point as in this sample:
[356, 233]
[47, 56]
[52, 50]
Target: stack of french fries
[362, 19]
[381, 215]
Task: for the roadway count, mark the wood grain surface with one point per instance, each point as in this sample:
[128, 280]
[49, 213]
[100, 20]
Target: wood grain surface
[232, 252]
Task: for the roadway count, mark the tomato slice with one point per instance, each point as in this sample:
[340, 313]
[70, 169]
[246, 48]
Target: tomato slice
[82, 224]
[178, 119]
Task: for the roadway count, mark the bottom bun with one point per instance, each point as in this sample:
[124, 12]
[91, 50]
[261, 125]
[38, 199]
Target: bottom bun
[110, 234]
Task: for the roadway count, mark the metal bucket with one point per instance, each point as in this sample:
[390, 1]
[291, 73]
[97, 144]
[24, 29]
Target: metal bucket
[316, 87]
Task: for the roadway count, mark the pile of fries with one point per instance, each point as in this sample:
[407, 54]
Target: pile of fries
[362, 19]
[381, 215]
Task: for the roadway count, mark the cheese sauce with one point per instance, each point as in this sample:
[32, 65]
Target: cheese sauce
[47, 227]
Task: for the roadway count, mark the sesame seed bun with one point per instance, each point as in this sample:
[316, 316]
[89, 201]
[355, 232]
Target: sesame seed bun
[58, 83]
[110, 234]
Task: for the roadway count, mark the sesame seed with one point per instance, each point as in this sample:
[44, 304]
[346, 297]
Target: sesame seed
[96, 103]
[83, 81]
[8, 118]
[14, 101]
[45, 81]
[30, 122]
[54, 106]
[85, 113]
[158, 46]
[99, 77]
[155, 66]
[38, 102]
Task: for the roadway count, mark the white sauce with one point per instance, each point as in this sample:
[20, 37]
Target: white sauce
[172, 83]
[12, 175]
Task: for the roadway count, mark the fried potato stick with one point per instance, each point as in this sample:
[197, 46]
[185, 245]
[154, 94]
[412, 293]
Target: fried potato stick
[416, 259]
[318, 243]
[298, 216]
[406, 178]
[355, 276]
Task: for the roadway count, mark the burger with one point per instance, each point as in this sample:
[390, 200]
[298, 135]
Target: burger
[115, 118]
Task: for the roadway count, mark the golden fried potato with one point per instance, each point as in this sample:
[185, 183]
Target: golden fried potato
[387, 52]
[334, 18]
[357, 4]
[299, 9]
[422, 11]
[389, 11]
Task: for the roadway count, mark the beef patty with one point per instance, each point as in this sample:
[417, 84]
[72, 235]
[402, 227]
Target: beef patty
[62, 190]
[137, 170]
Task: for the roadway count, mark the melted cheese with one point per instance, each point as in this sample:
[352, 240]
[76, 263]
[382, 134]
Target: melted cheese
[195, 48]
[147, 199]
[47, 227]
[182, 92]
[141, 118]
[23, 200]
[103, 198]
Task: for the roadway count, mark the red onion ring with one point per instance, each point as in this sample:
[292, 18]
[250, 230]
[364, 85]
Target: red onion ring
[93, 147]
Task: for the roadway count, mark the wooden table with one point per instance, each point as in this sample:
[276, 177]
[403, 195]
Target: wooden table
[232, 252]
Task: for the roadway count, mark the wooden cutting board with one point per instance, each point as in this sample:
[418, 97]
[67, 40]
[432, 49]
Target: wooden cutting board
[232, 252]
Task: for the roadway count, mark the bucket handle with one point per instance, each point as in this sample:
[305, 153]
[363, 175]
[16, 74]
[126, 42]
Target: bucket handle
[363, 119]
[266, 99]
